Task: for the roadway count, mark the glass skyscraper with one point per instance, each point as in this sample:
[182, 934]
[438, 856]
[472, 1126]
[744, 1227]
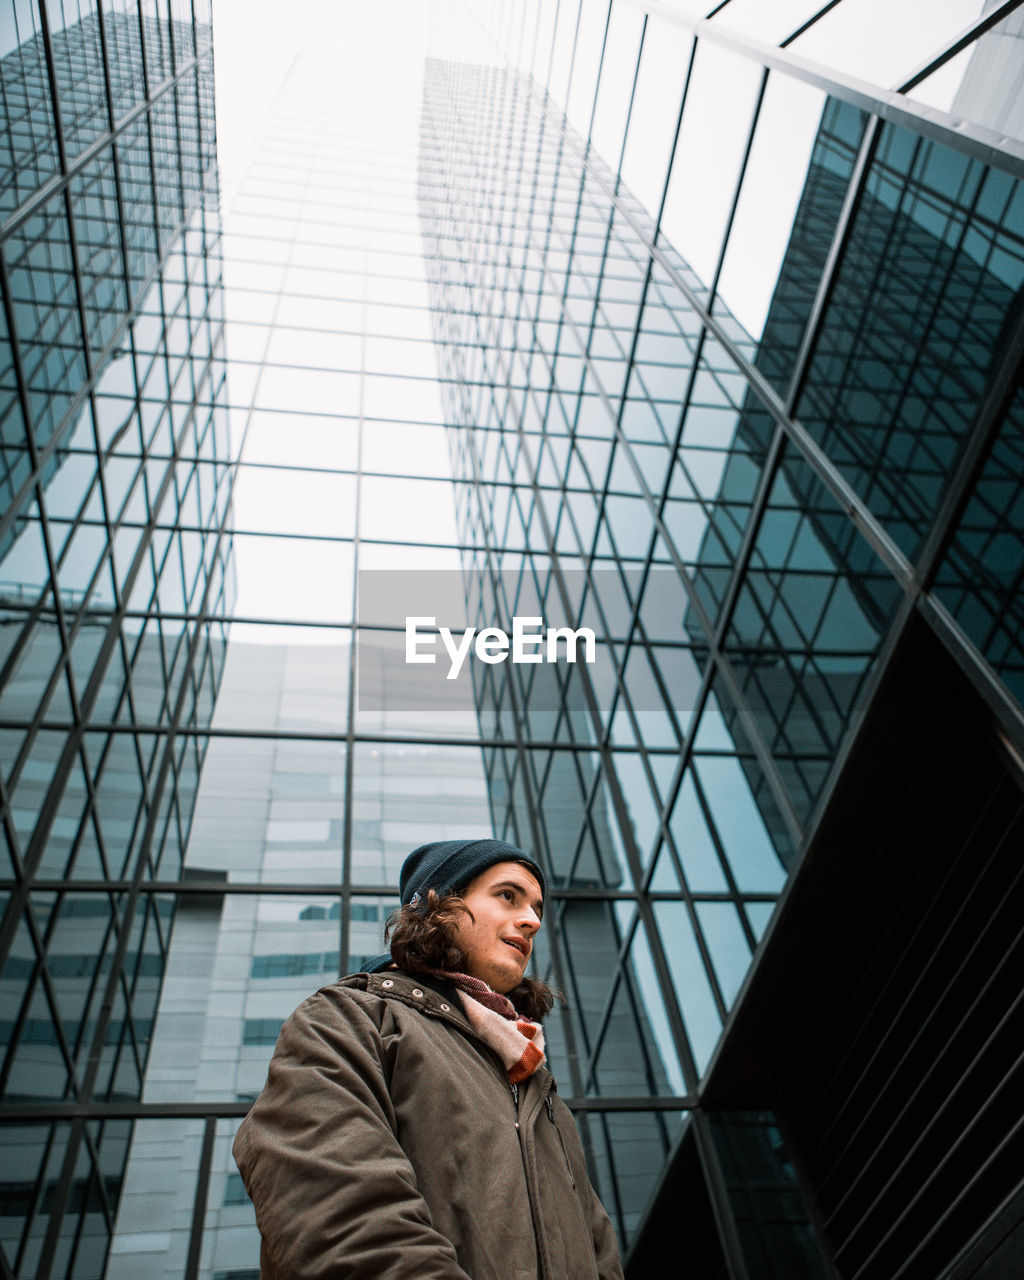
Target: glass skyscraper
[115, 483]
[700, 328]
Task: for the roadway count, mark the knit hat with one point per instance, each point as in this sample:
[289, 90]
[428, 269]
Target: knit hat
[448, 866]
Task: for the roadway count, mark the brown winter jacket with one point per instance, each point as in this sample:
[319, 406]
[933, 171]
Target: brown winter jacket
[388, 1145]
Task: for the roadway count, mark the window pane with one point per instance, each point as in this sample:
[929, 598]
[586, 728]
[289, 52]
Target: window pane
[293, 579]
[274, 500]
[301, 440]
[652, 124]
[773, 185]
[712, 139]
[689, 979]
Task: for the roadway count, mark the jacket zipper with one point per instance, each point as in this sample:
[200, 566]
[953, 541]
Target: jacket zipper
[514, 1089]
[544, 1269]
[561, 1143]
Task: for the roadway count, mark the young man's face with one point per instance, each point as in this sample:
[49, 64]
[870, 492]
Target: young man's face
[506, 904]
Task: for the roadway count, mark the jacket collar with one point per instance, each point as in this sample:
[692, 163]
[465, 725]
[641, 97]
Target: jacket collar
[429, 994]
[422, 991]
[434, 997]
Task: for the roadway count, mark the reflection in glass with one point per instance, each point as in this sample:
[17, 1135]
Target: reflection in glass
[981, 578]
[153, 1225]
[31, 1170]
[796, 278]
[713, 485]
[584, 411]
[586, 64]
[697, 851]
[690, 981]
[621, 1152]
[728, 945]
[739, 823]
[267, 500]
[810, 617]
[769, 23]
[274, 572]
[231, 1240]
[776, 1236]
[636, 1057]
[591, 934]
[641, 805]
[920, 247]
[407, 794]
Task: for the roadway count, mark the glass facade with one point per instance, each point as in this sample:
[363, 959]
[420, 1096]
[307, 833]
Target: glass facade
[116, 570]
[700, 328]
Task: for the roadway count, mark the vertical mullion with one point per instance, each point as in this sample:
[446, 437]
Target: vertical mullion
[195, 1239]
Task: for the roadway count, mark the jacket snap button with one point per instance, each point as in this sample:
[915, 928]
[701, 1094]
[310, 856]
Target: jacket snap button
[447, 1008]
[417, 992]
[387, 983]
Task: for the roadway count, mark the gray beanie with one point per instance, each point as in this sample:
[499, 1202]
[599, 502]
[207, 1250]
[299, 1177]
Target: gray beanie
[447, 866]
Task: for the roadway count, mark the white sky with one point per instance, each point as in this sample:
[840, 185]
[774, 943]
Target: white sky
[255, 49]
[256, 44]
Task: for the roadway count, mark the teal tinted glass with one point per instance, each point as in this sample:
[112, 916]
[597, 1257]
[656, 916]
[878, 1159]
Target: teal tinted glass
[930, 280]
[981, 577]
[815, 606]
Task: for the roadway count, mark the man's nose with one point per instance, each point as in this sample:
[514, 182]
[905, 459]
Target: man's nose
[529, 920]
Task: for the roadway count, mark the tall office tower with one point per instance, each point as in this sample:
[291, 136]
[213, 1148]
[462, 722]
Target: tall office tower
[732, 352]
[321, 773]
[113, 550]
[675, 328]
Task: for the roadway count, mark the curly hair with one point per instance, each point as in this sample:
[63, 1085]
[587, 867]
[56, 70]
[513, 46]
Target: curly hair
[422, 940]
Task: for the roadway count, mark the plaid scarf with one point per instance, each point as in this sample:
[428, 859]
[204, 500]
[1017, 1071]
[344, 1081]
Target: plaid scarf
[518, 1042]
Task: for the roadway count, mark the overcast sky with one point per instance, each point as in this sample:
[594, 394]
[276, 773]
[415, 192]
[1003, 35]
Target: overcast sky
[254, 49]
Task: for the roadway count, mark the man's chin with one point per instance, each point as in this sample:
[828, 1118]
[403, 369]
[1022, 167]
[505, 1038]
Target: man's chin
[507, 979]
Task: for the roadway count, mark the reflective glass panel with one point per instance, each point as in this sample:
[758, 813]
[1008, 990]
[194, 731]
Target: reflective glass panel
[981, 578]
[406, 794]
[690, 981]
[274, 577]
[774, 183]
[652, 123]
[717, 118]
[636, 1056]
[815, 606]
[770, 23]
[590, 32]
[155, 1211]
[919, 246]
[276, 500]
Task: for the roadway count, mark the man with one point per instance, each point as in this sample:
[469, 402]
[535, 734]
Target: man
[408, 1129]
